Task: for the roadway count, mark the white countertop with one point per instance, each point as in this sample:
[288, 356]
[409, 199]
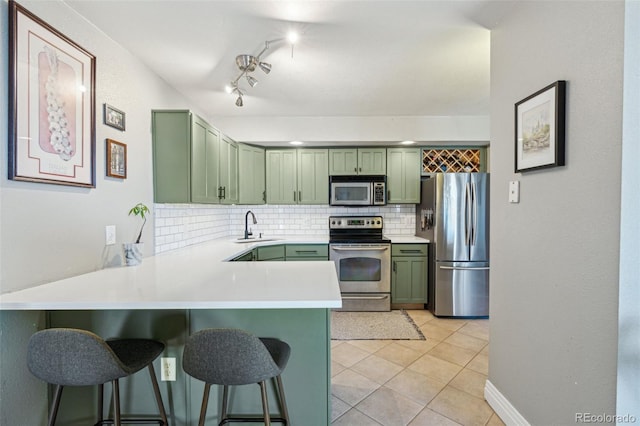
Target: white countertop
[406, 239]
[195, 277]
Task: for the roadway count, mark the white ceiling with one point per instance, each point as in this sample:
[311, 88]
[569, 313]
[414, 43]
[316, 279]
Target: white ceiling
[354, 58]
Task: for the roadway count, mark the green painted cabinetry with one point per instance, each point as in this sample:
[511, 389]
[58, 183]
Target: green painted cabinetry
[270, 253]
[403, 175]
[409, 272]
[204, 162]
[192, 161]
[313, 176]
[357, 161]
[307, 252]
[251, 174]
[228, 175]
[297, 176]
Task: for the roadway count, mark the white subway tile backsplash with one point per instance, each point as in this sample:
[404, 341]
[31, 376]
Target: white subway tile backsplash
[180, 225]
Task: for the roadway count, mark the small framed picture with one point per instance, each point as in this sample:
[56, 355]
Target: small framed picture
[114, 117]
[116, 159]
[540, 129]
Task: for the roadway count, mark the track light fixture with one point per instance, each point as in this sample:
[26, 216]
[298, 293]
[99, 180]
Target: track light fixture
[248, 64]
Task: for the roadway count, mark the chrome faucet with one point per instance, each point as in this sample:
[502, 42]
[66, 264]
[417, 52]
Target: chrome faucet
[247, 232]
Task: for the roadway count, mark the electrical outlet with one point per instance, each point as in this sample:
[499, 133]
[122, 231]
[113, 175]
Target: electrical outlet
[168, 370]
[110, 235]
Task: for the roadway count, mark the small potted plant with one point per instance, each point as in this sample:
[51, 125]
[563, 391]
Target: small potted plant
[133, 251]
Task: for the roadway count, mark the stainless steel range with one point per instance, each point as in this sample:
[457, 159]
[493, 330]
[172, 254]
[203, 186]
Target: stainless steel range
[363, 259]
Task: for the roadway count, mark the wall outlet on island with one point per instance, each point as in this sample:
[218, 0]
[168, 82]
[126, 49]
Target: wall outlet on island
[168, 370]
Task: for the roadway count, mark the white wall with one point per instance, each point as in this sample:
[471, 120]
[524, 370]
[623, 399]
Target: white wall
[554, 256]
[50, 231]
[628, 395]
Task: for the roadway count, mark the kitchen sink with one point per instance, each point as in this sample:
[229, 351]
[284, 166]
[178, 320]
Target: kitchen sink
[254, 240]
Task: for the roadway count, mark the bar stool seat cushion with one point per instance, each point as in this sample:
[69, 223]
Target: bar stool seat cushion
[233, 357]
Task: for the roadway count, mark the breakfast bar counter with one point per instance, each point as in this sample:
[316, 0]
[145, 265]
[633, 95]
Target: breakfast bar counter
[194, 277]
[170, 296]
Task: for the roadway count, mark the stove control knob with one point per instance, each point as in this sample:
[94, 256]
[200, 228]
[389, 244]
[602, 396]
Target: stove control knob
[333, 222]
[377, 222]
[339, 222]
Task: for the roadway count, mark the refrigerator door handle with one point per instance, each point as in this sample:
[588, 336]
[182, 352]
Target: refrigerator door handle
[462, 268]
[467, 214]
[474, 226]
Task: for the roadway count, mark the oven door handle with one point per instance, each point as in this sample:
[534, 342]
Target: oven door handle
[364, 297]
[359, 248]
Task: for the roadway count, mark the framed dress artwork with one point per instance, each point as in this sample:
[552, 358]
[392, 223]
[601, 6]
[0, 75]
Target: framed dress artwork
[51, 104]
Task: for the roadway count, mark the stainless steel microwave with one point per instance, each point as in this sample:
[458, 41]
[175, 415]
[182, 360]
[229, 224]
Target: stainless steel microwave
[357, 190]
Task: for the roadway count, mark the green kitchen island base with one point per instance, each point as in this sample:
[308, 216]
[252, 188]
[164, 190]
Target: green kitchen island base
[306, 379]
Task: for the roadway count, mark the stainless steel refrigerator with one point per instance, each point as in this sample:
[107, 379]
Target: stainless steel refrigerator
[454, 216]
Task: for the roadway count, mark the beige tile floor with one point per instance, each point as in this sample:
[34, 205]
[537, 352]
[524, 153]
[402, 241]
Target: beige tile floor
[438, 381]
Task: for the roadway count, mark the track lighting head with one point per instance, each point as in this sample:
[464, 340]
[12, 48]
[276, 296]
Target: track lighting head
[248, 63]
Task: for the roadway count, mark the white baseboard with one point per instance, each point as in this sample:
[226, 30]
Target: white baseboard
[503, 408]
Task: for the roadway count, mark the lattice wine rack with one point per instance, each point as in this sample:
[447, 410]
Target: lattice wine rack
[450, 160]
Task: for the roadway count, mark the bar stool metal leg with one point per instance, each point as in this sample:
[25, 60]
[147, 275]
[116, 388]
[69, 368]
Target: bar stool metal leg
[283, 402]
[156, 391]
[116, 403]
[265, 404]
[54, 405]
[205, 401]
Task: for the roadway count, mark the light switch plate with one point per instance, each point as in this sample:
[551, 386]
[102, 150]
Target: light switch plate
[514, 191]
[110, 235]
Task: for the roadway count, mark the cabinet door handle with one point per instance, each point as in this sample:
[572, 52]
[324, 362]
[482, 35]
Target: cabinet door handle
[410, 251]
[224, 192]
[388, 195]
[264, 196]
[360, 169]
[355, 169]
[394, 266]
[294, 196]
[220, 193]
[299, 196]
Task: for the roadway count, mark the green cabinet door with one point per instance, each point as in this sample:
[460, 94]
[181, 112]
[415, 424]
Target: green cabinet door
[343, 162]
[171, 139]
[403, 175]
[357, 161]
[313, 176]
[306, 252]
[409, 271]
[204, 162]
[251, 174]
[282, 187]
[372, 161]
[228, 176]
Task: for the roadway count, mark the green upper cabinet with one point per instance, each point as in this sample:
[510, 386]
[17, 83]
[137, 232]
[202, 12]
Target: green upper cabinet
[192, 161]
[357, 161]
[297, 176]
[185, 158]
[171, 156]
[204, 162]
[403, 175]
[228, 176]
[313, 176]
[281, 170]
[251, 174]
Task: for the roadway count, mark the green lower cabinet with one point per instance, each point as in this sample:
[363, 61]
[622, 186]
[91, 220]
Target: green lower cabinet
[246, 257]
[409, 273]
[307, 252]
[273, 253]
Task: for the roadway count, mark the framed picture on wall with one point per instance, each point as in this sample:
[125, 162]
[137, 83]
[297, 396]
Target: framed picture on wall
[114, 117]
[51, 104]
[540, 129]
[116, 159]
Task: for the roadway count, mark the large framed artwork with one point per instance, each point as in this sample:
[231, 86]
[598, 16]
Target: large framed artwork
[51, 104]
[540, 129]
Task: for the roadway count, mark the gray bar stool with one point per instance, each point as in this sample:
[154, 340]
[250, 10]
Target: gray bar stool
[230, 357]
[72, 357]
